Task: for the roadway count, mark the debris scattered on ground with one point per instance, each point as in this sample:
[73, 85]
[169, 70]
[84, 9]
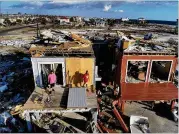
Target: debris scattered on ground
[139, 124]
[15, 43]
[16, 84]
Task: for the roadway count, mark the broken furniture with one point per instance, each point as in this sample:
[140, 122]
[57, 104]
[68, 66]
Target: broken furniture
[139, 124]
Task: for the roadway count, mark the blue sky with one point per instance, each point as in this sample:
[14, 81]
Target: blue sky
[155, 10]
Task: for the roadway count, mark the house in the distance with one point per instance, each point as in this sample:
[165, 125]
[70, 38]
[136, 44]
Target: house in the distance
[124, 19]
[63, 19]
[100, 23]
[141, 20]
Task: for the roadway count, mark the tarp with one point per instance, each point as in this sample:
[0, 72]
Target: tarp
[3, 88]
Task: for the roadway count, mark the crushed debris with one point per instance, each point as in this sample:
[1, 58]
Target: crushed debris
[136, 71]
[15, 83]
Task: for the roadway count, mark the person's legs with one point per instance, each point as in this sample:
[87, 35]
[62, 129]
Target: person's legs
[52, 87]
[49, 96]
[85, 84]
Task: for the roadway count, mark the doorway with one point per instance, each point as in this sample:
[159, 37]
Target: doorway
[45, 70]
[59, 73]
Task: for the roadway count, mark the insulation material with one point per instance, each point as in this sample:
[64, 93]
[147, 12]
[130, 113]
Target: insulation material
[76, 68]
[128, 43]
[78, 38]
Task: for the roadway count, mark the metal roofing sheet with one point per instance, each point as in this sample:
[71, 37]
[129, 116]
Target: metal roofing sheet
[77, 98]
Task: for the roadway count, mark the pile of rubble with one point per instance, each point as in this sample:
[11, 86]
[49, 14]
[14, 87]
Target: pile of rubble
[15, 83]
[109, 114]
[168, 47]
[15, 43]
[136, 71]
[58, 123]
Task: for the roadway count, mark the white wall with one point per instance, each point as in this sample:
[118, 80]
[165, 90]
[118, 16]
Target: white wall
[35, 67]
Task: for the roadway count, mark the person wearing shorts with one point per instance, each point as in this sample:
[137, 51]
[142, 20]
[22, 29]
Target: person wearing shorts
[85, 79]
[52, 80]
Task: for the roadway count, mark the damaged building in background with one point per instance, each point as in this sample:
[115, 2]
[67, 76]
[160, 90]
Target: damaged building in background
[69, 60]
[146, 72]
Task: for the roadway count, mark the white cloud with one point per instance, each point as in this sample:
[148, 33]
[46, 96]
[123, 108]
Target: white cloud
[107, 8]
[121, 11]
[68, 1]
[37, 3]
[133, 1]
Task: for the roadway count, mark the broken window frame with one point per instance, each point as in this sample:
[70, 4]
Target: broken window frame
[63, 70]
[146, 72]
[169, 75]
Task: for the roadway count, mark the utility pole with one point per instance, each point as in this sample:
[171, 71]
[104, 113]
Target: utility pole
[0, 10]
[37, 29]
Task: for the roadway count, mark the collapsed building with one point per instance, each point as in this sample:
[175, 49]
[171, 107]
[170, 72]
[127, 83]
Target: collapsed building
[69, 60]
[146, 72]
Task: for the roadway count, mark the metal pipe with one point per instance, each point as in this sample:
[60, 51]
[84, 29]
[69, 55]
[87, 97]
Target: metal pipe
[118, 116]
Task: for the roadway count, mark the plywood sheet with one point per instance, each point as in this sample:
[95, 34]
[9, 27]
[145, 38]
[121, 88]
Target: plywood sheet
[76, 68]
[148, 91]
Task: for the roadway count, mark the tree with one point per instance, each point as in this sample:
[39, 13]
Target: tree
[110, 22]
[19, 21]
[71, 19]
[13, 23]
[7, 21]
[26, 22]
[176, 30]
[29, 20]
[92, 21]
[43, 21]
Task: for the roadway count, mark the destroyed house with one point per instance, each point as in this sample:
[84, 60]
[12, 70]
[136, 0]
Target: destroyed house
[145, 72]
[69, 61]
[70, 65]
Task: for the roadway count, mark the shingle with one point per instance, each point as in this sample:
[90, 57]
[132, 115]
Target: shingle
[77, 98]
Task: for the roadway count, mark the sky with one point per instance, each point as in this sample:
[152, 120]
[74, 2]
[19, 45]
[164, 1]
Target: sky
[133, 9]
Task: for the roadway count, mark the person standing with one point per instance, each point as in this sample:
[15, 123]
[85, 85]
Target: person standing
[52, 80]
[85, 79]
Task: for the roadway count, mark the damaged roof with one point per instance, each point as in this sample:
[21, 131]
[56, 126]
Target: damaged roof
[73, 44]
[152, 48]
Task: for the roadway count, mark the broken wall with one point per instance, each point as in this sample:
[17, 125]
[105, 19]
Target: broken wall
[122, 67]
[76, 68]
[160, 70]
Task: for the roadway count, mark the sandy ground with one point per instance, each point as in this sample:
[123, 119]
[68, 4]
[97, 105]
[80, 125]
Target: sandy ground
[159, 122]
[10, 50]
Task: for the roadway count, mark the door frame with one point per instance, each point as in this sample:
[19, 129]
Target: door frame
[63, 70]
